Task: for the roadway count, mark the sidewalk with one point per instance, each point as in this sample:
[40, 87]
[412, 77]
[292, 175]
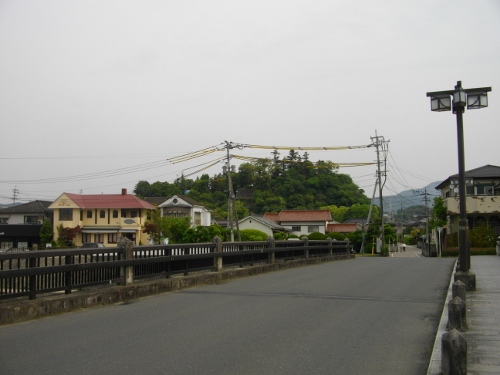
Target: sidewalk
[483, 319]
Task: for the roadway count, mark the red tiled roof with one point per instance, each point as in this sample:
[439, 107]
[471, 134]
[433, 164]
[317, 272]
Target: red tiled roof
[109, 201]
[304, 215]
[271, 216]
[341, 228]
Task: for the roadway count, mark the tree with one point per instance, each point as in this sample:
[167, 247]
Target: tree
[156, 226]
[66, 235]
[197, 235]
[46, 233]
[439, 213]
[338, 213]
[389, 232]
[360, 211]
[176, 227]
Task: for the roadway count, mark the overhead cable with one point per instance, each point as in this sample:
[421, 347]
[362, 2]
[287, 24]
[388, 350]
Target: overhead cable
[308, 148]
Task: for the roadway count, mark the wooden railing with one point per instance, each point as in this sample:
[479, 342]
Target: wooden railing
[35, 272]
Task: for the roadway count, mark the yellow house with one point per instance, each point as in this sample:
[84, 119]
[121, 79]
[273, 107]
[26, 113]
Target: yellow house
[102, 218]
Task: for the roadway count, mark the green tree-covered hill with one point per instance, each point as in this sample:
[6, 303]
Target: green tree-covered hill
[267, 185]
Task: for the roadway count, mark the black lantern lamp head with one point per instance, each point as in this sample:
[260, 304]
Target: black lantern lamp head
[440, 102]
[477, 98]
[459, 98]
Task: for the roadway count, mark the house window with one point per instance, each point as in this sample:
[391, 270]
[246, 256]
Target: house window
[312, 228]
[176, 214]
[86, 237]
[65, 214]
[124, 213]
[115, 214]
[494, 223]
[484, 190]
[480, 221]
[197, 218]
[89, 214]
[99, 237]
[30, 219]
[102, 214]
[296, 228]
[133, 214]
[469, 190]
[112, 237]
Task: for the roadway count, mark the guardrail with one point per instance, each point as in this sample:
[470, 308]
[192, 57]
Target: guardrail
[42, 271]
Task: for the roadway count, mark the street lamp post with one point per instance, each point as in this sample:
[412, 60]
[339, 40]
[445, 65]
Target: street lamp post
[442, 101]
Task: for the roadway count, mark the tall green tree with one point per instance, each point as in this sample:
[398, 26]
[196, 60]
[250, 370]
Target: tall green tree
[176, 227]
[46, 233]
[439, 213]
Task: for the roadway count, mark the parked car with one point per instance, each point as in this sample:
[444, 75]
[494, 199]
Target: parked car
[92, 244]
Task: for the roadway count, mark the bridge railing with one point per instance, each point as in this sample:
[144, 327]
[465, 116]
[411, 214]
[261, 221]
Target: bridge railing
[36, 272]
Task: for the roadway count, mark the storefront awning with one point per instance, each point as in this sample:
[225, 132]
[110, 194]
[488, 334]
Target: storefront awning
[128, 230]
[87, 229]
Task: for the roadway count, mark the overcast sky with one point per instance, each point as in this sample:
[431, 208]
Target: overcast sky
[97, 95]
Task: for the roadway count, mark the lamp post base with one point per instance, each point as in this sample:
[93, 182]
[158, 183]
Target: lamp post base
[468, 278]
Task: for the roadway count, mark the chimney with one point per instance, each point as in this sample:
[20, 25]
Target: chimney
[124, 191]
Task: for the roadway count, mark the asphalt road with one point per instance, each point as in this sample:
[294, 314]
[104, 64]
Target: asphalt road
[365, 316]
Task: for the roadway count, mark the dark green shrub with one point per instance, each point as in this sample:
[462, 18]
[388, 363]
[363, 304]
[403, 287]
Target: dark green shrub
[253, 235]
[316, 236]
[280, 236]
[482, 236]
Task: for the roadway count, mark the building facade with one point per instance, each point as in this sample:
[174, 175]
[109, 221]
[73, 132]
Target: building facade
[182, 206]
[300, 222]
[20, 225]
[104, 218]
[482, 198]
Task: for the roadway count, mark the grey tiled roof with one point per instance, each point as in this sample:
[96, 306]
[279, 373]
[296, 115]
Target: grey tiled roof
[486, 171]
[29, 208]
[269, 223]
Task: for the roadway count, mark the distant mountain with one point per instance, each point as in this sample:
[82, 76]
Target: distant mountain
[410, 198]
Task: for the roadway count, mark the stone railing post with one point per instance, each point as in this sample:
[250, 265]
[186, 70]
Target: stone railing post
[347, 246]
[306, 245]
[453, 353]
[127, 272]
[272, 246]
[458, 289]
[330, 246]
[218, 249]
[457, 315]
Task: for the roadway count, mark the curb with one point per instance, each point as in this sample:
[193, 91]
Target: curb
[435, 361]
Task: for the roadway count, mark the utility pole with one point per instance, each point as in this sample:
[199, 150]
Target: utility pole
[402, 224]
[427, 239]
[15, 192]
[381, 146]
[368, 219]
[231, 200]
